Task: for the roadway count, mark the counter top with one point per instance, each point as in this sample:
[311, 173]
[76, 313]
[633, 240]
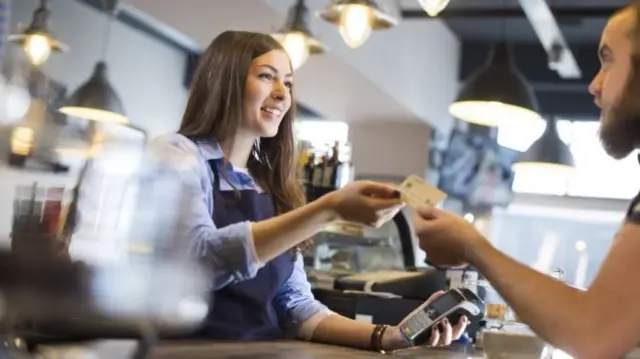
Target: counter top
[289, 350]
[259, 350]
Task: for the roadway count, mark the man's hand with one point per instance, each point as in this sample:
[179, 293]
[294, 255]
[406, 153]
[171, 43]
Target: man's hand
[447, 238]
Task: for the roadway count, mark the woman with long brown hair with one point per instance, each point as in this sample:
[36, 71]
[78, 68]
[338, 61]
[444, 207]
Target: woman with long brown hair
[235, 154]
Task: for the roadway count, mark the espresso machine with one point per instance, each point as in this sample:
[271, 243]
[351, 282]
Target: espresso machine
[88, 228]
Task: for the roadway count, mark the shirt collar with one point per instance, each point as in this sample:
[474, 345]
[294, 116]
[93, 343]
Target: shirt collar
[210, 150]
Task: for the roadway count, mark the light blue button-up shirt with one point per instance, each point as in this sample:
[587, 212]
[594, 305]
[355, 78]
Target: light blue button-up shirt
[229, 250]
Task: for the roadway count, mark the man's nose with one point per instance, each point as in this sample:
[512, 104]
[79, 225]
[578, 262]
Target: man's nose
[595, 87]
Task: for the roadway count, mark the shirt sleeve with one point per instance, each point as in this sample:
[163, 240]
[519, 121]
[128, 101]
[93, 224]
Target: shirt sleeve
[294, 301]
[228, 251]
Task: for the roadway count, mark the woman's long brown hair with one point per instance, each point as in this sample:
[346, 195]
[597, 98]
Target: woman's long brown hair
[215, 111]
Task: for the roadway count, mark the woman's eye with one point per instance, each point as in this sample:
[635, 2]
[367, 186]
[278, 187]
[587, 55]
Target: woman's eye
[266, 76]
[289, 84]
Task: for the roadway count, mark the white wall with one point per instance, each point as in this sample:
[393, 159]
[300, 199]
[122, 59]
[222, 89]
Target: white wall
[146, 73]
[386, 150]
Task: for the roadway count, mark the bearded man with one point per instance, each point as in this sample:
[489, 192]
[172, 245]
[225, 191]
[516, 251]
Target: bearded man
[603, 321]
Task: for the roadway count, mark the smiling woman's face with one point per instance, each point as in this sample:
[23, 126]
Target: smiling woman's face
[267, 96]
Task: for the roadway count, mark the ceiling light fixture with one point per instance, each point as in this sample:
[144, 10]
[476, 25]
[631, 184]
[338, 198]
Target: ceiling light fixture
[547, 154]
[296, 37]
[356, 19]
[496, 93]
[433, 7]
[96, 99]
[37, 40]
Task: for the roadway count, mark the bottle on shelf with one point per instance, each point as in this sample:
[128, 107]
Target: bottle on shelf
[303, 157]
[325, 170]
[332, 166]
[317, 172]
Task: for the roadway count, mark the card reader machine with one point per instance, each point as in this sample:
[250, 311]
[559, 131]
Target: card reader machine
[455, 303]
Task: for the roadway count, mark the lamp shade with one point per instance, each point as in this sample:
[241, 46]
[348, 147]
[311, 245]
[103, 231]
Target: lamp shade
[298, 22]
[296, 36]
[496, 93]
[96, 100]
[547, 152]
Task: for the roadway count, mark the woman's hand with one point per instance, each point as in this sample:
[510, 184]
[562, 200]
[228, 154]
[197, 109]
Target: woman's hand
[365, 202]
[442, 334]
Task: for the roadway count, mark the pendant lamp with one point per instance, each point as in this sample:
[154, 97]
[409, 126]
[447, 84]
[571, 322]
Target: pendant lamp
[96, 99]
[37, 39]
[548, 153]
[433, 7]
[496, 93]
[296, 36]
[356, 19]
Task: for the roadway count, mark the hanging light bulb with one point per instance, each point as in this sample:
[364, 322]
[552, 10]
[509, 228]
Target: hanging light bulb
[356, 19]
[433, 7]
[295, 44]
[355, 24]
[37, 40]
[296, 38]
[38, 48]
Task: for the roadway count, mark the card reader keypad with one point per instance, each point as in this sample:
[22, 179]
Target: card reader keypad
[419, 321]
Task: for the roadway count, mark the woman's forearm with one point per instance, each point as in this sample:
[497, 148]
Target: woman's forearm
[276, 235]
[338, 330]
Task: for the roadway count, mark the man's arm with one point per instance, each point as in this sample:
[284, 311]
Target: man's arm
[603, 322]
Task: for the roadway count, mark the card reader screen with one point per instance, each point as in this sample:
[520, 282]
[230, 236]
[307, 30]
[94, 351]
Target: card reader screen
[444, 303]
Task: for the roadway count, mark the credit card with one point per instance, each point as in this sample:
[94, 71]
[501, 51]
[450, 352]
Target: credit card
[416, 192]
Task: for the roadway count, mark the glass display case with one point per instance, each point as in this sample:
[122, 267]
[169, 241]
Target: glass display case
[346, 248]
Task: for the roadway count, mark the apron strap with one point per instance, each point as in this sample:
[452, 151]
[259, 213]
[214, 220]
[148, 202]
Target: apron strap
[216, 175]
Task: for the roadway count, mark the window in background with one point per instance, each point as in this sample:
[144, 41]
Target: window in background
[321, 133]
[546, 238]
[597, 174]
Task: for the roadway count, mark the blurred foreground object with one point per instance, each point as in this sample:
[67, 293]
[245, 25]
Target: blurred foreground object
[94, 255]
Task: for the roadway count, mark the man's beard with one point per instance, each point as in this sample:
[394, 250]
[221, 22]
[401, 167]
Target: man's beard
[620, 128]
